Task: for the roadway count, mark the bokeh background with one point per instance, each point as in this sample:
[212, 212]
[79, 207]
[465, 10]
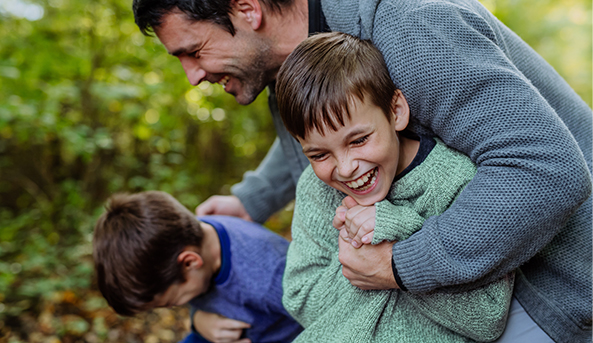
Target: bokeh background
[89, 107]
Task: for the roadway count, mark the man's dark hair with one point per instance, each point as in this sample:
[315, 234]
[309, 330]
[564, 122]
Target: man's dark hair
[135, 247]
[149, 14]
[321, 76]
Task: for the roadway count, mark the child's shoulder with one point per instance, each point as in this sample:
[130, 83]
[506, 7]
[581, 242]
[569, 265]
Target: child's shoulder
[449, 161]
[243, 230]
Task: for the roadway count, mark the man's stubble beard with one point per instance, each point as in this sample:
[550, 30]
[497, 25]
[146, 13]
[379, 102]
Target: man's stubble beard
[260, 73]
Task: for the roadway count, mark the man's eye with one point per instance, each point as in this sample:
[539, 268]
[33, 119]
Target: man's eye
[360, 140]
[195, 54]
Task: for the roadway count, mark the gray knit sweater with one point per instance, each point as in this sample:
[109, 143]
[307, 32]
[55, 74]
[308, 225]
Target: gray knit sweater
[319, 297]
[472, 82]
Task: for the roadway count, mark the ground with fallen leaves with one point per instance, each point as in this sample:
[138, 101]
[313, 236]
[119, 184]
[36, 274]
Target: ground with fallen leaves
[76, 318]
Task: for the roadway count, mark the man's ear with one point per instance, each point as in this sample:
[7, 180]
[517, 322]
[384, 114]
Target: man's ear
[400, 111]
[248, 10]
[190, 259]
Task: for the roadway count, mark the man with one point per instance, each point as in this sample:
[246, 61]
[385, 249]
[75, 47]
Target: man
[470, 81]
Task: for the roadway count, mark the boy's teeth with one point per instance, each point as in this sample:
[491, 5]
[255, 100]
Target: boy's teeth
[363, 180]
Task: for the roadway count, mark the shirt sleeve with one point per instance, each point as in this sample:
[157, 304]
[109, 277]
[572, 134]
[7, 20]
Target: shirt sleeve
[267, 189]
[531, 174]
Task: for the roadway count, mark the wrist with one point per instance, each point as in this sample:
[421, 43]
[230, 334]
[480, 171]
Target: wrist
[398, 280]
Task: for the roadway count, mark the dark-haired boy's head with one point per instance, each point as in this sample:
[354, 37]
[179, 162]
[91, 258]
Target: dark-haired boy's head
[136, 246]
[320, 78]
[149, 13]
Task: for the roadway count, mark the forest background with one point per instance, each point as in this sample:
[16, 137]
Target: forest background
[89, 107]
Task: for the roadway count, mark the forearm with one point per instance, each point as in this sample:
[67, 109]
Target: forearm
[267, 189]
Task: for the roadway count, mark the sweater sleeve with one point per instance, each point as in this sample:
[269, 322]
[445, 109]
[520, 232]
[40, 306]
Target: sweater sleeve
[450, 64]
[395, 223]
[312, 268]
[267, 189]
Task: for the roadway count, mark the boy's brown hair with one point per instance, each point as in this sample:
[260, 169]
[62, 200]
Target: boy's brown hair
[321, 76]
[135, 247]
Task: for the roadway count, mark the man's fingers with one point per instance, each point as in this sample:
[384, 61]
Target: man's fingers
[205, 208]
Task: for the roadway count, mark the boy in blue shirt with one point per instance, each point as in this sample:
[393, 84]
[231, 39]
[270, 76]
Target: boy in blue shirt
[150, 251]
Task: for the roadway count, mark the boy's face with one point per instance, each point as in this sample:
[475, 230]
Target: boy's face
[361, 158]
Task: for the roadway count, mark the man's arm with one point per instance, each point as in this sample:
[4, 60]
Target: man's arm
[267, 189]
[531, 174]
[461, 84]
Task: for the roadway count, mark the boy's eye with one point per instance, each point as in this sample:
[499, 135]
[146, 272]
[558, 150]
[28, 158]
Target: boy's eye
[317, 157]
[360, 140]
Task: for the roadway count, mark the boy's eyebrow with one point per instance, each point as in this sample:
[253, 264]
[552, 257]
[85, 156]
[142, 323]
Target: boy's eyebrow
[355, 132]
[347, 138]
[308, 150]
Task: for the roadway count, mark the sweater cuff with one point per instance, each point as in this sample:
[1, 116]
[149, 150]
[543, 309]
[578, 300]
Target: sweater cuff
[255, 204]
[413, 263]
[398, 280]
[394, 223]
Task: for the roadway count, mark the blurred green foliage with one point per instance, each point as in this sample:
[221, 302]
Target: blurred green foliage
[89, 107]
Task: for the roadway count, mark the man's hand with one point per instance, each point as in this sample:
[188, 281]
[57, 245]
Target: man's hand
[219, 329]
[228, 205]
[355, 222]
[368, 267]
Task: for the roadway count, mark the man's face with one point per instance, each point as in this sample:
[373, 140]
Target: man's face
[241, 64]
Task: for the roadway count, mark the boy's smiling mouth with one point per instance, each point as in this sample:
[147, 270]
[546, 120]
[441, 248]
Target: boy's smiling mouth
[364, 182]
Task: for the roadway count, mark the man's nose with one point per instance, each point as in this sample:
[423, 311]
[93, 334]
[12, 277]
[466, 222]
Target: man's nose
[195, 74]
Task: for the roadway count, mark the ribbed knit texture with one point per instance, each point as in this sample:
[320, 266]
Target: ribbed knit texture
[332, 310]
[483, 91]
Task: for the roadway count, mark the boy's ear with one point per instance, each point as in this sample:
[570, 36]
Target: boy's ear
[190, 259]
[400, 111]
[250, 11]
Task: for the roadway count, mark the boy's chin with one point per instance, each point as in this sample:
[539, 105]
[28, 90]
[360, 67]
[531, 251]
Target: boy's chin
[367, 199]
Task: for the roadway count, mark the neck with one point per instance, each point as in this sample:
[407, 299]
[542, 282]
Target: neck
[210, 249]
[408, 149]
[288, 28]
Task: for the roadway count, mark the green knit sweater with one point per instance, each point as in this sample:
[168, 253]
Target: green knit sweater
[330, 309]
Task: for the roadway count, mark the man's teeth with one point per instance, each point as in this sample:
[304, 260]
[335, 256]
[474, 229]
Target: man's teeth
[356, 184]
[224, 81]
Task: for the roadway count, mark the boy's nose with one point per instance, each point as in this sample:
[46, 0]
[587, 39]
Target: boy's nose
[195, 74]
[347, 167]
